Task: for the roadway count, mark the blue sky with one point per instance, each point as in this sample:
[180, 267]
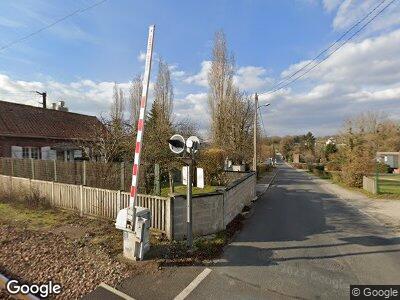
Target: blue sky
[78, 59]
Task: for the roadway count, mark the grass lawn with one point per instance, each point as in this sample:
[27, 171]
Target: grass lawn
[389, 186]
[102, 232]
[394, 177]
[32, 218]
[181, 190]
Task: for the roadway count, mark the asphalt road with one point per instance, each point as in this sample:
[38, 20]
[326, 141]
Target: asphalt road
[302, 242]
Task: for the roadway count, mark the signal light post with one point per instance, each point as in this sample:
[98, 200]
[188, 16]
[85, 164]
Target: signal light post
[178, 145]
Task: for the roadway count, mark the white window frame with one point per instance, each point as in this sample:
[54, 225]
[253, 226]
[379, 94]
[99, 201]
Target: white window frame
[29, 149]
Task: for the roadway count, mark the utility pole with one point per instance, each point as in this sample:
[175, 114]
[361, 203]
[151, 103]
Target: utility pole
[44, 97]
[255, 133]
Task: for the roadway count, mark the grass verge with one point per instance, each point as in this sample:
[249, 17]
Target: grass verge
[181, 190]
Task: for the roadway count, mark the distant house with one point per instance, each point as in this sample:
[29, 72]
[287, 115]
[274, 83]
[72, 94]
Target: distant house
[392, 159]
[40, 133]
[329, 141]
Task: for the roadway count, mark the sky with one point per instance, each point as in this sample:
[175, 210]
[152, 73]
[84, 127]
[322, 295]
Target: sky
[79, 59]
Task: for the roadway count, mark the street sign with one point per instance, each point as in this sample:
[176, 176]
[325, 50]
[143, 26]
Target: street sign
[192, 142]
[177, 143]
[200, 178]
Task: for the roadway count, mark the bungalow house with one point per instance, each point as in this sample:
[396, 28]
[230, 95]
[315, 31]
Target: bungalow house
[39, 133]
[392, 159]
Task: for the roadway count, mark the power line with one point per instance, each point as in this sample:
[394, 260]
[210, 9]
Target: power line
[279, 86]
[6, 46]
[329, 47]
[262, 122]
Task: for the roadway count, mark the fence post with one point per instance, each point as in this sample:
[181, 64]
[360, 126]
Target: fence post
[55, 170]
[30, 187]
[118, 202]
[33, 168]
[11, 187]
[157, 188]
[169, 218]
[81, 207]
[12, 166]
[122, 176]
[52, 193]
[84, 173]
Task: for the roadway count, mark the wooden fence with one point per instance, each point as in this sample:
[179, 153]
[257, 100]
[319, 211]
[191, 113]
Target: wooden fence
[90, 201]
[114, 176]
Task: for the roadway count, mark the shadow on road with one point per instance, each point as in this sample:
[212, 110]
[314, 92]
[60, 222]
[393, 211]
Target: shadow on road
[293, 215]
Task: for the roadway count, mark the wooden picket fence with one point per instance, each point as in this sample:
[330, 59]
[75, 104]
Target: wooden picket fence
[90, 201]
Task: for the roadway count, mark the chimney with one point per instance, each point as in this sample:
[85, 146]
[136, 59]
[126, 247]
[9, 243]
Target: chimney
[60, 105]
[44, 97]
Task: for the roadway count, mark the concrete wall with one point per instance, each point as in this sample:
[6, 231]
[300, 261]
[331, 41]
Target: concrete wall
[238, 194]
[213, 211]
[369, 184]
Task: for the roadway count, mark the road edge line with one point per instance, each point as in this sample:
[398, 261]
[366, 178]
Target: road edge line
[115, 291]
[190, 288]
[269, 185]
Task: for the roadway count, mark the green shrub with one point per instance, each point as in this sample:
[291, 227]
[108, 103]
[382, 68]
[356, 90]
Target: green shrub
[336, 176]
[212, 161]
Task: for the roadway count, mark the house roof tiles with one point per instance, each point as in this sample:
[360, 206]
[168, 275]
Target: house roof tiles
[20, 120]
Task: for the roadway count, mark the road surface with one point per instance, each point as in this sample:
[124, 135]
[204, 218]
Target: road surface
[301, 242]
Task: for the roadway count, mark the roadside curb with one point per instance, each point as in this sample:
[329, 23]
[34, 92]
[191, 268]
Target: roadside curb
[268, 186]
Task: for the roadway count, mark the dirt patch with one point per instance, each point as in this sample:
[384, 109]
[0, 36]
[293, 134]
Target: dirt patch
[71, 231]
[205, 250]
[35, 257]
[78, 253]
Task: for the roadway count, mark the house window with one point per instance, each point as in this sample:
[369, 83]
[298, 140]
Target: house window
[25, 152]
[31, 152]
[35, 153]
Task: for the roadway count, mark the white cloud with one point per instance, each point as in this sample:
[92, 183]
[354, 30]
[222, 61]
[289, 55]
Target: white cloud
[5, 22]
[252, 79]
[361, 76]
[83, 96]
[142, 56]
[200, 78]
[195, 107]
[374, 61]
[350, 11]
[175, 72]
[330, 5]
[247, 78]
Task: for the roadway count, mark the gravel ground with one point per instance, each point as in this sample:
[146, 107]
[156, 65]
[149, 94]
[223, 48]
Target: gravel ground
[37, 257]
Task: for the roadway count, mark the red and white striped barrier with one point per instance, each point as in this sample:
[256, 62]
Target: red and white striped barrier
[140, 125]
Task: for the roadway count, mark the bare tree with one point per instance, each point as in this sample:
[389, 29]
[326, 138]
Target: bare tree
[159, 127]
[231, 110]
[117, 105]
[135, 94]
[163, 92]
[186, 127]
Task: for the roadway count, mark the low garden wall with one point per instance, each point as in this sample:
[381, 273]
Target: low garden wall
[213, 211]
[369, 185]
